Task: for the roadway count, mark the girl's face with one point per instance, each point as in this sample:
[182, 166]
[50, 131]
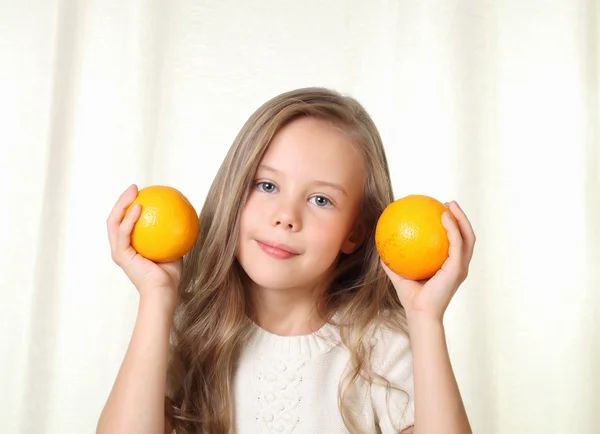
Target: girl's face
[302, 209]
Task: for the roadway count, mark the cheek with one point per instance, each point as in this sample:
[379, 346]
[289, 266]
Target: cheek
[328, 236]
[252, 216]
[246, 217]
[251, 210]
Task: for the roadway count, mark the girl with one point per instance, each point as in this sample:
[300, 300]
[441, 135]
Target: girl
[282, 318]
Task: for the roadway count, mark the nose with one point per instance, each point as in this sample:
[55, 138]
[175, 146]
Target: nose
[287, 216]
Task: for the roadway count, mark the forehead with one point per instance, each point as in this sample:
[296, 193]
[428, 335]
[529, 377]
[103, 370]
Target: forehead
[315, 149]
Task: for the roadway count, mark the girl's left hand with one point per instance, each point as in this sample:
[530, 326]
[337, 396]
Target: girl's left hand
[431, 297]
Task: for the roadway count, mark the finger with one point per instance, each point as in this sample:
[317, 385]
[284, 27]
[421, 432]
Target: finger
[118, 211]
[122, 203]
[466, 229]
[396, 281]
[393, 276]
[123, 241]
[455, 250]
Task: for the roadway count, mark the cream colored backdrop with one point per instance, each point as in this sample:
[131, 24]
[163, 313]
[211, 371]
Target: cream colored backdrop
[491, 103]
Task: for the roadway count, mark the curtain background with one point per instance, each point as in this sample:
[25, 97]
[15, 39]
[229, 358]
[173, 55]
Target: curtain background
[492, 103]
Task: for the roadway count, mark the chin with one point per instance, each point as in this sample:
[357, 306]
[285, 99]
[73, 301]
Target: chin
[272, 278]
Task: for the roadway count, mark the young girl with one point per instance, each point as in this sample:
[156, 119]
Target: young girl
[282, 318]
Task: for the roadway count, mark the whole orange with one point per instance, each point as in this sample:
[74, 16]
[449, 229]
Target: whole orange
[168, 224]
[410, 237]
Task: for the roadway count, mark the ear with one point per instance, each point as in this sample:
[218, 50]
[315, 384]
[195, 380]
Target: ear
[355, 238]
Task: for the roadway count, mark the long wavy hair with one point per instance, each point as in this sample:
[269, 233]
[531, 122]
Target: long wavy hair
[211, 320]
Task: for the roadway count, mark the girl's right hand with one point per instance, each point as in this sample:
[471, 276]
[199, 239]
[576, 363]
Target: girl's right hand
[150, 278]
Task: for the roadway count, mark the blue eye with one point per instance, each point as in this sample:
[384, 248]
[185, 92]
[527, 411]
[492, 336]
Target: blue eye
[320, 201]
[266, 187]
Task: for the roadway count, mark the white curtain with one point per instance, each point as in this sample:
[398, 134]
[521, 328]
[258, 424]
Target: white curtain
[493, 103]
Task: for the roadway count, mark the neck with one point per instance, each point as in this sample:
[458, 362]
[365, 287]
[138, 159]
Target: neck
[288, 312]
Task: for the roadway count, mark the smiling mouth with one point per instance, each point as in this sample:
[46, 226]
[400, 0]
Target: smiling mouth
[277, 251]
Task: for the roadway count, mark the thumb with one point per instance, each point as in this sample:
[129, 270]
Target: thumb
[396, 279]
[405, 288]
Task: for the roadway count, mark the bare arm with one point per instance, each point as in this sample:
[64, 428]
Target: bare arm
[438, 405]
[136, 402]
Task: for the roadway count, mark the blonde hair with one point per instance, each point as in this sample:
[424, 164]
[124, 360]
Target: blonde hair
[211, 320]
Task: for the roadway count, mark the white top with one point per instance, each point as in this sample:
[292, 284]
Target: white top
[289, 384]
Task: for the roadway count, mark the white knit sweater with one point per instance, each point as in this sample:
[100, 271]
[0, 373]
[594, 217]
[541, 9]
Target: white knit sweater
[289, 384]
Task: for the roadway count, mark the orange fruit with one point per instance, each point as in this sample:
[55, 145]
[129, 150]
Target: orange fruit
[410, 237]
[168, 224]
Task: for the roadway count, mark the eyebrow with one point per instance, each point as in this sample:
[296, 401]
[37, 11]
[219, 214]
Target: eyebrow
[322, 183]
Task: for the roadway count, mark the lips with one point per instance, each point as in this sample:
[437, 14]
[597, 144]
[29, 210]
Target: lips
[277, 250]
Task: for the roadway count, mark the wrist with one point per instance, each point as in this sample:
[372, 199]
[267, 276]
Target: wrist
[423, 317]
[423, 325]
[158, 302]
